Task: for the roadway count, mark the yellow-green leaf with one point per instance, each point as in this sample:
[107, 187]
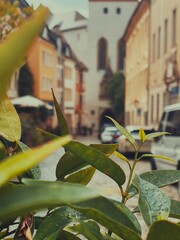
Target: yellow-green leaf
[142, 135]
[83, 176]
[13, 49]
[125, 132]
[10, 125]
[21, 162]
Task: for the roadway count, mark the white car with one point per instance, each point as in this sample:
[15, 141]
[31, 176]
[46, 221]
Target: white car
[110, 135]
[168, 145]
[125, 146]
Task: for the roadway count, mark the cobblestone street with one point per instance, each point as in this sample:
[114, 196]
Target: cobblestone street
[102, 183]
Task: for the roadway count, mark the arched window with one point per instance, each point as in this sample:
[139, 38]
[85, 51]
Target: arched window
[102, 53]
[120, 54]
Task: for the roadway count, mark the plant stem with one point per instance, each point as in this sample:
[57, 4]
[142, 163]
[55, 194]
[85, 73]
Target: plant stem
[130, 176]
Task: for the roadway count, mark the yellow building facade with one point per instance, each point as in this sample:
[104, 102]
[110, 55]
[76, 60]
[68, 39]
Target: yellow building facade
[164, 57]
[42, 61]
[136, 66]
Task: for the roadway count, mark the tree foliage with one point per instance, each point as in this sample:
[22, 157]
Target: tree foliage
[25, 81]
[11, 16]
[116, 94]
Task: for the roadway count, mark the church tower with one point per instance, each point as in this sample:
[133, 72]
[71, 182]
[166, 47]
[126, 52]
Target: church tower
[106, 25]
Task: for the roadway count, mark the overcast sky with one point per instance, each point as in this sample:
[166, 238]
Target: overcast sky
[60, 6]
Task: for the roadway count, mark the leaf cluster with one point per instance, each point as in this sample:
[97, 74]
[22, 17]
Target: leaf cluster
[70, 208]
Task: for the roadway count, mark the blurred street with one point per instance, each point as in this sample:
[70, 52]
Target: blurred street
[102, 183]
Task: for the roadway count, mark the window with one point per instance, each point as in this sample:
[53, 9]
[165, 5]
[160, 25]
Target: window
[174, 27]
[102, 53]
[154, 47]
[118, 10]
[47, 84]
[47, 59]
[159, 42]
[152, 108]
[67, 72]
[165, 35]
[157, 109]
[68, 94]
[173, 123]
[120, 54]
[105, 10]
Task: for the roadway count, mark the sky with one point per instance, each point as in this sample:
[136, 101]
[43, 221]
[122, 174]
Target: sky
[61, 6]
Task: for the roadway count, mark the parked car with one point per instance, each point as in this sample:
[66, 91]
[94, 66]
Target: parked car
[168, 145]
[110, 135]
[125, 146]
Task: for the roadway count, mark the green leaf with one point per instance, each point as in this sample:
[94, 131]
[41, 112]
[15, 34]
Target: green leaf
[21, 162]
[13, 50]
[83, 176]
[54, 223]
[9, 121]
[121, 156]
[164, 230]
[68, 164]
[153, 203]
[175, 209]
[156, 134]
[124, 132]
[63, 127]
[130, 215]
[107, 149]
[98, 160]
[142, 135]
[158, 156]
[89, 229]
[2, 151]
[35, 171]
[160, 178]
[108, 215]
[67, 236]
[26, 198]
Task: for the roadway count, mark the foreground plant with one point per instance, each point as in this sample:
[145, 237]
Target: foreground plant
[70, 209]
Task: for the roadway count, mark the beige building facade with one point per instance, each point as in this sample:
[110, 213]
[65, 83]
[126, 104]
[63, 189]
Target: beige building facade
[136, 67]
[164, 57]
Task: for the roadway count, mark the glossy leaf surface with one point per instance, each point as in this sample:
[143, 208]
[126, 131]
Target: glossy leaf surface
[153, 203]
[107, 214]
[98, 160]
[54, 223]
[160, 178]
[70, 162]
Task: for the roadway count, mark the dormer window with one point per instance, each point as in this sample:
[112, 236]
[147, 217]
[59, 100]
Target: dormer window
[105, 10]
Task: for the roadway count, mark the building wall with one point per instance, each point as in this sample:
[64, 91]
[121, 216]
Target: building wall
[163, 91]
[111, 26]
[136, 71]
[42, 60]
[70, 93]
